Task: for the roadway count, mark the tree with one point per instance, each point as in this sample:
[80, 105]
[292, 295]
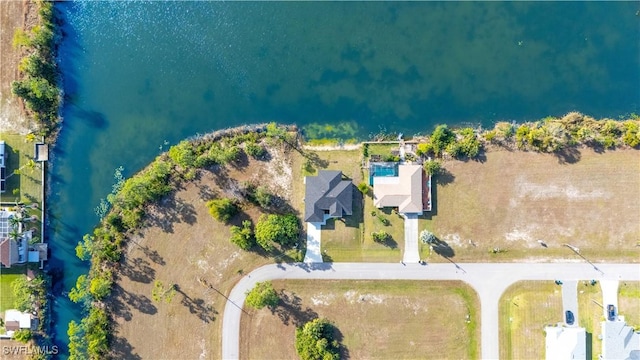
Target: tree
[222, 209]
[432, 167]
[427, 237]
[263, 197]
[183, 154]
[441, 137]
[281, 229]
[263, 294]
[22, 335]
[243, 236]
[315, 341]
[424, 149]
[26, 292]
[80, 292]
[161, 292]
[100, 285]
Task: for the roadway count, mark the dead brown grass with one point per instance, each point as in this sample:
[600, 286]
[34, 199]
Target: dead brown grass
[183, 243]
[14, 14]
[514, 199]
[376, 319]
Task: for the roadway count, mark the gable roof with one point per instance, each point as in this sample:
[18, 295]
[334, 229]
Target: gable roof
[329, 192]
[619, 341]
[403, 191]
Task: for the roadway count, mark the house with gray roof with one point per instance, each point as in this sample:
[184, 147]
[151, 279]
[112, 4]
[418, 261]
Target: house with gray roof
[327, 195]
[619, 340]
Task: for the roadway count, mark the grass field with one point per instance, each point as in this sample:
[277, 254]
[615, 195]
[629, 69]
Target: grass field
[525, 309]
[184, 243]
[513, 199]
[376, 319]
[532, 305]
[29, 180]
[6, 292]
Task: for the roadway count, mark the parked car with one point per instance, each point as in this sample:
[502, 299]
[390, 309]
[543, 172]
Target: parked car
[569, 317]
[611, 311]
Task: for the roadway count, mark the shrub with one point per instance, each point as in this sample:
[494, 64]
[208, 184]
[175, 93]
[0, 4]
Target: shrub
[469, 145]
[432, 167]
[631, 135]
[254, 150]
[243, 236]
[427, 237]
[22, 335]
[262, 197]
[380, 236]
[522, 136]
[364, 188]
[222, 209]
[424, 149]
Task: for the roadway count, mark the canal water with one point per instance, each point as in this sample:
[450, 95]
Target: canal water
[139, 76]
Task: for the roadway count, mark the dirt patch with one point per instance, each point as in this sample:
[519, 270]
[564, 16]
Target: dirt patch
[375, 319]
[184, 246]
[515, 200]
[13, 15]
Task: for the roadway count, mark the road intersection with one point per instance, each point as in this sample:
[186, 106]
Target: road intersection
[489, 280]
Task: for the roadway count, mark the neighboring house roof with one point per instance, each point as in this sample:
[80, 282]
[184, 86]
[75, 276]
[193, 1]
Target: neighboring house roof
[11, 325]
[327, 192]
[23, 319]
[8, 252]
[403, 191]
[565, 342]
[619, 341]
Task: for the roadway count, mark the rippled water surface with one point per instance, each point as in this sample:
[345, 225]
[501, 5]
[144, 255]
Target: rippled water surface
[138, 75]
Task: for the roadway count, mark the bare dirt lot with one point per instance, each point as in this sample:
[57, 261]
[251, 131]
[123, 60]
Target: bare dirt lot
[185, 244]
[513, 199]
[14, 14]
[376, 319]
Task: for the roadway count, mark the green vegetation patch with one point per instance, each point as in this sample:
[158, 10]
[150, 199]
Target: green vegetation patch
[24, 174]
[7, 276]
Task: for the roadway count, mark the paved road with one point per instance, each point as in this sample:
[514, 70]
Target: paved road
[411, 253]
[489, 281]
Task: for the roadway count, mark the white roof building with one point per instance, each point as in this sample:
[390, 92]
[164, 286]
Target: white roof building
[565, 343]
[619, 341]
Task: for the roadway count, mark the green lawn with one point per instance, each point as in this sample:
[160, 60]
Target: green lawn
[383, 150]
[526, 308]
[6, 292]
[29, 180]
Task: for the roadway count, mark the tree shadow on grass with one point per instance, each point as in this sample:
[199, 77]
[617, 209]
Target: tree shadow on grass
[443, 249]
[137, 269]
[568, 155]
[121, 302]
[169, 211]
[338, 336]
[197, 306]
[122, 349]
[443, 177]
[291, 311]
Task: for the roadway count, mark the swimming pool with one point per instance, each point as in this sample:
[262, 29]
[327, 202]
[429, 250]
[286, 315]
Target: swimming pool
[382, 169]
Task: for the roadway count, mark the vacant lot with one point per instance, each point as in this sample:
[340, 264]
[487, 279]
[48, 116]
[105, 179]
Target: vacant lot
[6, 291]
[525, 309]
[513, 199]
[13, 15]
[376, 320]
[182, 245]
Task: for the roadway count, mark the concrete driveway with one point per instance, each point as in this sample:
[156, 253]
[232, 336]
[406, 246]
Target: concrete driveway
[411, 252]
[313, 254]
[570, 301]
[609, 295]
[489, 280]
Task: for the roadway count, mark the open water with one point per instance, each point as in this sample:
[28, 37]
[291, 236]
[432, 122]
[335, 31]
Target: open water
[139, 76]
